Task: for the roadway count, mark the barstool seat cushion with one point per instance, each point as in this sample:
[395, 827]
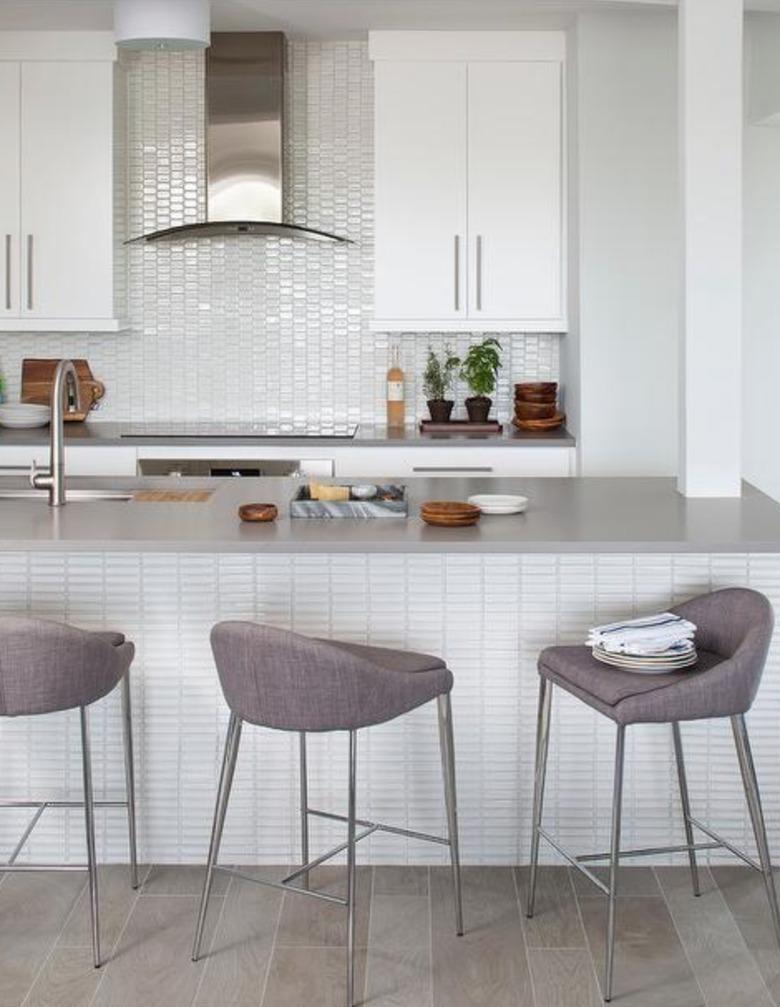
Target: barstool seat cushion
[279, 679]
[49, 666]
[734, 629]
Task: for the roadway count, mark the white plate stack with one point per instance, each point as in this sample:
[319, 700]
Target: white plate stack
[652, 644]
[23, 415]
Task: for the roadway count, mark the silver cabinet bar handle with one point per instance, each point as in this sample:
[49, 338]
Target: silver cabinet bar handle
[8, 272]
[457, 272]
[29, 272]
[479, 272]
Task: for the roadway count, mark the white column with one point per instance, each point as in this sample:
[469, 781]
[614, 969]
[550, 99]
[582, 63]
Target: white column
[711, 172]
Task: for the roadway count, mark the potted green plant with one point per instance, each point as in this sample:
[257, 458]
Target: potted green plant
[438, 377]
[479, 369]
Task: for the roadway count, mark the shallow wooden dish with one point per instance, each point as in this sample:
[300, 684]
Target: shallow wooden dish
[535, 410]
[258, 512]
[450, 513]
[551, 424]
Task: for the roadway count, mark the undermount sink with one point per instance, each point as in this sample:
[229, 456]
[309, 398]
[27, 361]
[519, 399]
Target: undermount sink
[72, 496]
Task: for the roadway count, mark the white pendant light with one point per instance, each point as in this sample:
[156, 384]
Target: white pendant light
[162, 24]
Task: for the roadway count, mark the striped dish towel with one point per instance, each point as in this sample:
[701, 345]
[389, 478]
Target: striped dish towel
[664, 633]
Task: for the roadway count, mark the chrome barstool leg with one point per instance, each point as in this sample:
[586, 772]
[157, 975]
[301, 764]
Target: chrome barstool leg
[351, 869]
[127, 730]
[447, 746]
[614, 858]
[304, 806]
[540, 772]
[220, 809]
[686, 805]
[89, 823]
[753, 797]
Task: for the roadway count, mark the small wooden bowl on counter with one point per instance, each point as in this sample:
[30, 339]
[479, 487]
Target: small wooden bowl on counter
[258, 512]
[525, 389]
[449, 513]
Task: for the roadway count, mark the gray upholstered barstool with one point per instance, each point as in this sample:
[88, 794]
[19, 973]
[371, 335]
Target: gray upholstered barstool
[49, 667]
[278, 679]
[734, 629]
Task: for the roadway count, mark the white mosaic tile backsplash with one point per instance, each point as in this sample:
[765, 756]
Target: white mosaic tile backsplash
[244, 329]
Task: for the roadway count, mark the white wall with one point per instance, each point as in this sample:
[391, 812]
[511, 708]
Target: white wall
[761, 330]
[628, 242]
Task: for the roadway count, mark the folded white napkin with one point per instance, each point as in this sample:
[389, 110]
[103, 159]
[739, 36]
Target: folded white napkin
[665, 633]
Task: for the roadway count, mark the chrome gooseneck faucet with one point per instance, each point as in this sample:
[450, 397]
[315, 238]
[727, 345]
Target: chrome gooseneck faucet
[53, 478]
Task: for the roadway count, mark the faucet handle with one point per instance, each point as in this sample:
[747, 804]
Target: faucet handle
[37, 473]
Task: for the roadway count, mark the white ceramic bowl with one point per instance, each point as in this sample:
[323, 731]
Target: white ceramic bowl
[499, 503]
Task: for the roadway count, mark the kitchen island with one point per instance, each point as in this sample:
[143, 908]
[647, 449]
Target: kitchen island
[486, 598]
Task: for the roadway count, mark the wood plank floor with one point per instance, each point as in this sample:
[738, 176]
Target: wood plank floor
[268, 949]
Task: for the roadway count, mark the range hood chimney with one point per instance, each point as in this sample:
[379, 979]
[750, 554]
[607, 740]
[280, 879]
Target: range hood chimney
[244, 142]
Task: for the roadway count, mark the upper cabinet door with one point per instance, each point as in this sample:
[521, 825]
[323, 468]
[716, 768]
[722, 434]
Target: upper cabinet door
[10, 75]
[67, 198]
[515, 191]
[421, 163]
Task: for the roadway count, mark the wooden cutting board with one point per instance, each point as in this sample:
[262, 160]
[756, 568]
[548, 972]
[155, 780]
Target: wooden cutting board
[172, 496]
[37, 377]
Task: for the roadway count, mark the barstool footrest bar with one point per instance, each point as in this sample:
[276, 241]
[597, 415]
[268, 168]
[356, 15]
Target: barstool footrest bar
[726, 844]
[393, 829]
[574, 861]
[21, 868]
[650, 851]
[281, 886]
[40, 807]
[326, 856]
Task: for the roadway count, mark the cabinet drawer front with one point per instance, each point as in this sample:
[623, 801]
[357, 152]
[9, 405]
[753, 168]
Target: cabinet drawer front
[79, 461]
[421, 190]
[398, 463]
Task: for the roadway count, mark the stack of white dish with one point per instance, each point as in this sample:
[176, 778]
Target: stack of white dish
[651, 644]
[24, 415]
[499, 503]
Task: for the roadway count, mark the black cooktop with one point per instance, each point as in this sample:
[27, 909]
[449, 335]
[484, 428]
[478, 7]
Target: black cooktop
[236, 431]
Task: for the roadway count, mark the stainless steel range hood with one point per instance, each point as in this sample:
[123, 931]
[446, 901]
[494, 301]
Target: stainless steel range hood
[244, 142]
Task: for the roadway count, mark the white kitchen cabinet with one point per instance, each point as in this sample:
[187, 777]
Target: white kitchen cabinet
[59, 247]
[80, 459]
[469, 165]
[401, 463]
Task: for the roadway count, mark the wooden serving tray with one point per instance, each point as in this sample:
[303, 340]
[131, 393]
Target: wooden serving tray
[172, 496]
[456, 427]
[37, 377]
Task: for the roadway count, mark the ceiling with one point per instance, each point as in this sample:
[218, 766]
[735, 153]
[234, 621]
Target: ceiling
[336, 18]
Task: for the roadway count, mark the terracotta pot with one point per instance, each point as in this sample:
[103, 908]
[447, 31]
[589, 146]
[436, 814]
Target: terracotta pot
[440, 410]
[535, 397]
[534, 410]
[478, 408]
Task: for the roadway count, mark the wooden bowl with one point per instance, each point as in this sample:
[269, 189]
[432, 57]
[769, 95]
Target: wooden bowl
[534, 410]
[258, 512]
[450, 513]
[536, 397]
[524, 388]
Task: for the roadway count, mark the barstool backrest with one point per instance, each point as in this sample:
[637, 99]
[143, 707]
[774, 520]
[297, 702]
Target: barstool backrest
[734, 623]
[48, 666]
[279, 679]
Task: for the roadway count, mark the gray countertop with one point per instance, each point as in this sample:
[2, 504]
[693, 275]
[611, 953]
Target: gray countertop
[565, 515]
[110, 434]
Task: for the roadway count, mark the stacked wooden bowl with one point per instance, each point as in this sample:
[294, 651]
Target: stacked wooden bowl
[449, 513]
[536, 406]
